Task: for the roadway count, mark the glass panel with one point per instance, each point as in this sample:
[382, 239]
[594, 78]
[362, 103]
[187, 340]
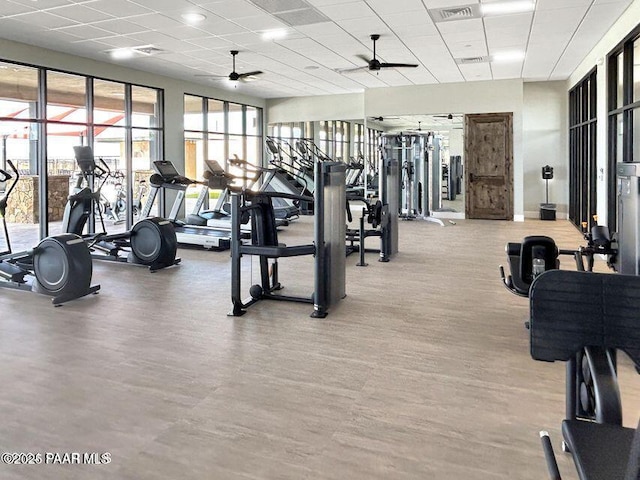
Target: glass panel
[619, 138]
[636, 135]
[253, 121]
[216, 149]
[66, 97]
[254, 150]
[19, 143]
[18, 91]
[108, 103]
[620, 88]
[194, 162]
[215, 117]
[636, 70]
[193, 117]
[236, 146]
[145, 107]
[235, 118]
[109, 147]
[147, 148]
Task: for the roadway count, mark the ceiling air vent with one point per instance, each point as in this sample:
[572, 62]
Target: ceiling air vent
[468, 60]
[148, 50]
[450, 14]
[293, 12]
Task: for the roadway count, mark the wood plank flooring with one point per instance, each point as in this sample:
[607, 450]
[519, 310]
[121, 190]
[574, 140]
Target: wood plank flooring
[422, 372]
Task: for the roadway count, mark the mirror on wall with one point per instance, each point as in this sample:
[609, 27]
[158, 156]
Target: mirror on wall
[446, 144]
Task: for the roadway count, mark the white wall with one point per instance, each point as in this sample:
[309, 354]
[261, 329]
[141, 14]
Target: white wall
[316, 108]
[597, 58]
[174, 90]
[545, 143]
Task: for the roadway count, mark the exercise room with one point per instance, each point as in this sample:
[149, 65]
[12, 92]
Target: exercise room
[319, 239]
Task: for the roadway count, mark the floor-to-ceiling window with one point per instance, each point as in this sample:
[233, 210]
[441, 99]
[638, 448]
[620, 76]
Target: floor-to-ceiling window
[623, 100]
[582, 151]
[20, 130]
[219, 130]
[44, 113]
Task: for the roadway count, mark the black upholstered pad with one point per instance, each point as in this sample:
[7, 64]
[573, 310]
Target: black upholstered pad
[571, 310]
[600, 451]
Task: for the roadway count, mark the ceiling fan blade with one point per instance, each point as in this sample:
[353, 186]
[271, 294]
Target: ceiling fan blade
[249, 74]
[351, 70]
[364, 58]
[398, 65]
[204, 75]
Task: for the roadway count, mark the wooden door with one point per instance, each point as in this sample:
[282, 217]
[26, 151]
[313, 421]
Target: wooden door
[489, 166]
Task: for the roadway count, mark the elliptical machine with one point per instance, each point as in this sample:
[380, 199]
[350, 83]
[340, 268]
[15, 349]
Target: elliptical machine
[151, 241]
[61, 265]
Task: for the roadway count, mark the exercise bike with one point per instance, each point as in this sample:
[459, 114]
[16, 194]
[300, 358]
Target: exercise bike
[151, 242]
[59, 266]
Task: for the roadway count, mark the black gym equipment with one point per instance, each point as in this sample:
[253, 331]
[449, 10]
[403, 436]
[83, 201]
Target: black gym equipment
[328, 248]
[584, 319]
[151, 242]
[59, 266]
[191, 231]
[547, 210]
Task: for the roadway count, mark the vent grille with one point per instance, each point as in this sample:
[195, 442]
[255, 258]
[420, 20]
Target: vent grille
[450, 14]
[148, 50]
[468, 60]
[292, 12]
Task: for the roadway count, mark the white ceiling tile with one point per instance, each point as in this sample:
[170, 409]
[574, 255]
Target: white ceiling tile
[503, 71]
[231, 9]
[222, 27]
[8, 8]
[387, 7]
[347, 11]
[86, 31]
[212, 43]
[260, 23]
[46, 20]
[80, 13]
[162, 5]
[448, 3]
[471, 28]
[154, 21]
[476, 71]
[121, 27]
[41, 5]
[118, 8]
[555, 4]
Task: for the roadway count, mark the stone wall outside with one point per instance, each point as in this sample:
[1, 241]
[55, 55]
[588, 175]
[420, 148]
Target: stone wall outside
[24, 201]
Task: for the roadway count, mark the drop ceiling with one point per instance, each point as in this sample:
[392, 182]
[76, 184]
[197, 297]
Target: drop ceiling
[322, 36]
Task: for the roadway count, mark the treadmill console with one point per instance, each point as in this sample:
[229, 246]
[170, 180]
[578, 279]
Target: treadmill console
[166, 169]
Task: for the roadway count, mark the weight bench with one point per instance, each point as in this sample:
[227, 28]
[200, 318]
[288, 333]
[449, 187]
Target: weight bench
[592, 315]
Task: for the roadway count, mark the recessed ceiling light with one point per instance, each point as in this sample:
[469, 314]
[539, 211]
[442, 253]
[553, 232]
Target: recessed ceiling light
[121, 53]
[514, 56]
[503, 8]
[276, 34]
[192, 18]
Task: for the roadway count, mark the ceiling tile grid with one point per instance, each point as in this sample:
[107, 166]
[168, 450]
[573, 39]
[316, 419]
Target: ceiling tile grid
[321, 38]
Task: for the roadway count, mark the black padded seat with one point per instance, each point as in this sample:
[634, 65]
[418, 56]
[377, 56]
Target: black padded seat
[600, 451]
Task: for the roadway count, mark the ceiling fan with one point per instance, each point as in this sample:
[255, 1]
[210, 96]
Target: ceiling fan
[234, 76]
[375, 65]
[382, 119]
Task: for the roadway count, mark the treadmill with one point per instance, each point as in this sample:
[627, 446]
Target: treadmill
[168, 178]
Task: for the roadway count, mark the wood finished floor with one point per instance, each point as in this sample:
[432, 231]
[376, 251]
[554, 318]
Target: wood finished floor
[422, 372]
